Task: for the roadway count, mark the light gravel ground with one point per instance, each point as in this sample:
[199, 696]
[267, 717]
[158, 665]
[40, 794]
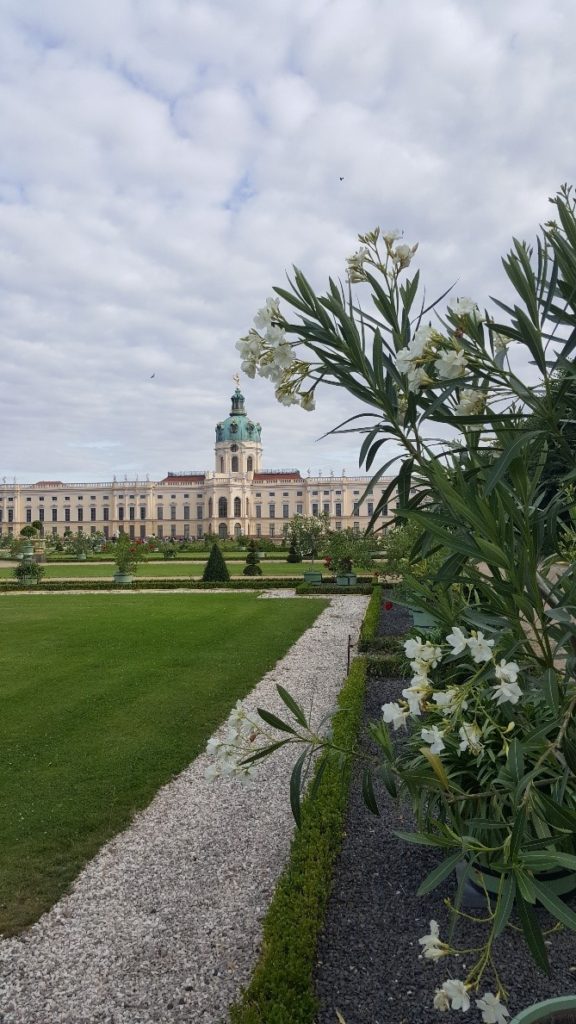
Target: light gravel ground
[164, 924]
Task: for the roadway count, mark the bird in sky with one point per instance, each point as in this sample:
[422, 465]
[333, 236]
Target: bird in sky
[341, 179]
[152, 375]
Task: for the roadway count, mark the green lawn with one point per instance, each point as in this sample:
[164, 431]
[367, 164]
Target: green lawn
[102, 700]
[104, 570]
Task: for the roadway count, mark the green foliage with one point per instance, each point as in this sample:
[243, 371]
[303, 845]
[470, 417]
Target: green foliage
[216, 570]
[281, 990]
[345, 549]
[307, 534]
[27, 573]
[127, 554]
[252, 567]
[78, 761]
[400, 553]
[484, 483]
[294, 554]
[28, 531]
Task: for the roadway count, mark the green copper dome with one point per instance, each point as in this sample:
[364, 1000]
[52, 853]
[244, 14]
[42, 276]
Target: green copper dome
[237, 427]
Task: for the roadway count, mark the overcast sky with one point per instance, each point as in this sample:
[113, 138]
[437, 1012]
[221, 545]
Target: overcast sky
[162, 162]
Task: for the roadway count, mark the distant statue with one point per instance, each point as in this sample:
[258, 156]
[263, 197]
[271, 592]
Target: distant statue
[236, 379]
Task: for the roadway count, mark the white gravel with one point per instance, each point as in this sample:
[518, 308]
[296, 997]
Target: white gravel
[164, 924]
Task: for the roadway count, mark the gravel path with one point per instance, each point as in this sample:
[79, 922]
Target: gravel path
[164, 924]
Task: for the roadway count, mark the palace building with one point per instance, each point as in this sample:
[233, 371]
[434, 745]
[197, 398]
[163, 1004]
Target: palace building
[237, 498]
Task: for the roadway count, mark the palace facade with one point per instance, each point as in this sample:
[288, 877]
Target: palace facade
[237, 498]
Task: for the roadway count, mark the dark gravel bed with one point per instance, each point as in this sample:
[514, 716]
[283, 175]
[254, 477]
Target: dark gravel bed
[368, 956]
[394, 620]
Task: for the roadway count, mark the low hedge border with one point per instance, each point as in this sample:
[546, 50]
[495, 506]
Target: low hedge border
[333, 588]
[371, 620]
[239, 583]
[386, 666]
[281, 990]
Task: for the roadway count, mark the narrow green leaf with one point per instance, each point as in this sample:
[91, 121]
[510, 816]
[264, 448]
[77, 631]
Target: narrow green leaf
[439, 873]
[532, 933]
[293, 706]
[388, 780]
[515, 760]
[295, 788]
[518, 833]
[556, 906]
[557, 814]
[506, 894]
[318, 776]
[264, 752]
[368, 794]
[549, 685]
[275, 722]
[423, 839]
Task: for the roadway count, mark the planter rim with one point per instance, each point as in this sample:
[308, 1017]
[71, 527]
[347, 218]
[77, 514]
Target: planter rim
[539, 1012]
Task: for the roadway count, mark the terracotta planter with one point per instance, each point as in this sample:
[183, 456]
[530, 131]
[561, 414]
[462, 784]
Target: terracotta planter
[561, 1010]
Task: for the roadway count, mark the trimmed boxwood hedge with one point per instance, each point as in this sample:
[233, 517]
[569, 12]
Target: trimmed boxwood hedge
[371, 620]
[237, 583]
[281, 990]
[333, 588]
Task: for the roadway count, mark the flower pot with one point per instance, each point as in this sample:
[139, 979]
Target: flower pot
[347, 579]
[123, 578]
[312, 577]
[81, 557]
[561, 1010]
[559, 882]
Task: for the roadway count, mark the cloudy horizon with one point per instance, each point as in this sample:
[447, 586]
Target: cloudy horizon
[164, 164]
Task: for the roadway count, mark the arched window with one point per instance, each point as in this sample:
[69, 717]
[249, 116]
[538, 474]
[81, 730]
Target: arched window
[249, 464]
[234, 463]
[222, 508]
[222, 530]
[237, 507]
[237, 530]
[221, 464]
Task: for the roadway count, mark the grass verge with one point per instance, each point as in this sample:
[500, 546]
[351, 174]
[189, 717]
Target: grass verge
[281, 990]
[102, 702]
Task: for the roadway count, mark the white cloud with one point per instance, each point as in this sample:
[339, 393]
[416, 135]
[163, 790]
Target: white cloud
[163, 164]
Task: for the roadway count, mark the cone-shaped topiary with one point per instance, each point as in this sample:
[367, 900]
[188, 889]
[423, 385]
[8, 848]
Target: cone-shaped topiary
[293, 554]
[252, 559]
[216, 570]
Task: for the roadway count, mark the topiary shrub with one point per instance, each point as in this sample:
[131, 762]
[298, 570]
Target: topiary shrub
[252, 567]
[294, 554]
[216, 570]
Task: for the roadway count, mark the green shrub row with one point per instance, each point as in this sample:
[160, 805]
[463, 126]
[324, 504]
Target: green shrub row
[239, 583]
[371, 620]
[281, 990]
[333, 588]
[386, 666]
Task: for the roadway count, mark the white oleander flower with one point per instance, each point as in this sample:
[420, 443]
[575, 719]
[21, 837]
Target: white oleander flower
[434, 737]
[444, 699]
[492, 1010]
[393, 713]
[470, 736]
[506, 671]
[249, 367]
[286, 397]
[480, 649]
[275, 336]
[451, 363]
[413, 646]
[467, 307]
[422, 339]
[506, 693]
[405, 360]
[430, 654]
[433, 947]
[471, 402]
[268, 313]
[441, 1001]
[392, 236]
[500, 343]
[402, 254]
[458, 640]
[457, 994]
[418, 378]
[414, 695]
[308, 401]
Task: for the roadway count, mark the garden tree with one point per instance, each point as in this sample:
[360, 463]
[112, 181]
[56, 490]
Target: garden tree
[216, 570]
[400, 552]
[489, 762]
[28, 531]
[294, 554]
[252, 567]
[308, 533]
[346, 549]
[127, 554]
